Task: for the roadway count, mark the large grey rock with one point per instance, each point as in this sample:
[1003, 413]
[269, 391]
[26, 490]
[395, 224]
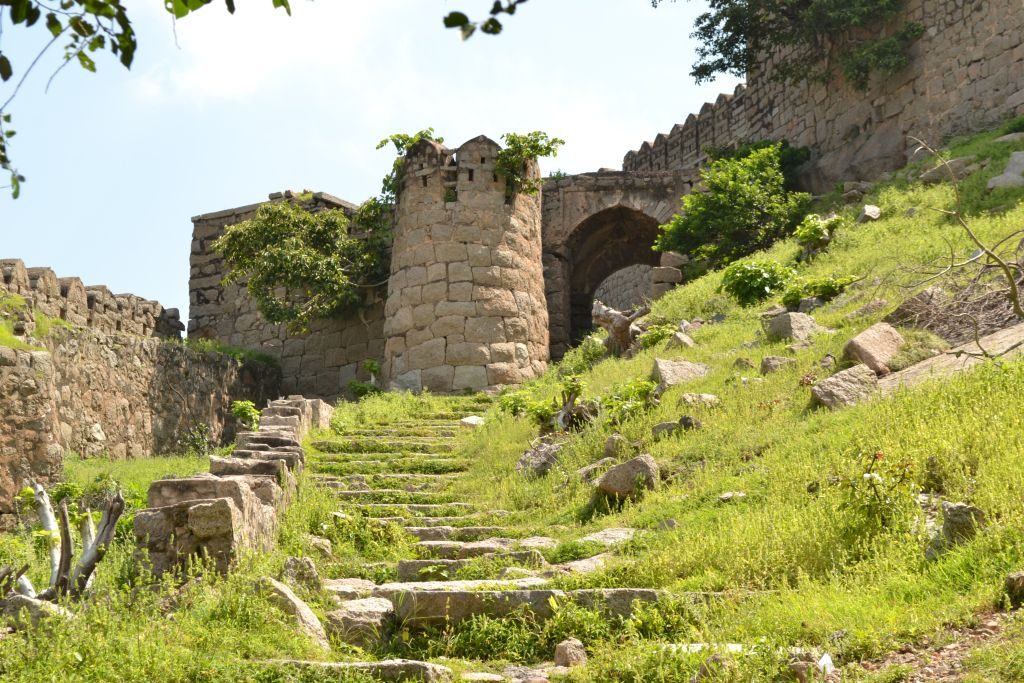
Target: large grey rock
[364, 622]
[1012, 176]
[702, 400]
[285, 599]
[22, 611]
[680, 340]
[664, 429]
[349, 589]
[791, 326]
[846, 388]
[770, 364]
[670, 373]
[875, 347]
[301, 571]
[388, 670]
[960, 524]
[630, 479]
[539, 460]
[617, 446]
[589, 473]
[610, 537]
[570, 653]
[869, 213]
[959, 168]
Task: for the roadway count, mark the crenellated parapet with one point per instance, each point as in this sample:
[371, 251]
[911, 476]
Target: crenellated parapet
[94, 307]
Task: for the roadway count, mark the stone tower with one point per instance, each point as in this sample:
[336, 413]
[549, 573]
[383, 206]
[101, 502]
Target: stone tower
[465, 306]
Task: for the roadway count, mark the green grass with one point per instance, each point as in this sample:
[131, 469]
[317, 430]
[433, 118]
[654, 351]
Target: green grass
[238, 353]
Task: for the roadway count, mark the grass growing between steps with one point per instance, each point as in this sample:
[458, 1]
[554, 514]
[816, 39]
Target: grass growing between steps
[802, 560]
[210, 629]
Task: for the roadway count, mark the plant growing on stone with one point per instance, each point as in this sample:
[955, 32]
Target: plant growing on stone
[655, 334]
[582, 358]
[519, 152]
[751, 282]
[745, 209]
[824, 288]
[880, 493]
[247, 414]
[815, 232]
[196, 441]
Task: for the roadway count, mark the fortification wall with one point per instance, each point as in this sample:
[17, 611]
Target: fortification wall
[319, 363]
[465, 306]
[84, 390]
[627, 288]
[965, 74]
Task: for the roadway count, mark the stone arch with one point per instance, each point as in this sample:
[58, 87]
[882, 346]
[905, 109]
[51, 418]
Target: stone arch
[603, 244]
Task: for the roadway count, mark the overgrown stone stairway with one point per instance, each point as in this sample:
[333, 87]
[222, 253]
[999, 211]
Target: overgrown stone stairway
[401, 472]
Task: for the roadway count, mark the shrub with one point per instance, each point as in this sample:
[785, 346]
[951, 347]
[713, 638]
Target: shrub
[630, 399]
[583, 357]
[745, 208]
[751, 282]
[361, 389]
[815, 232]
[246, 413]
[196, 441]
[825, 288]
[514, 403]
[656, 334]
[790, 158]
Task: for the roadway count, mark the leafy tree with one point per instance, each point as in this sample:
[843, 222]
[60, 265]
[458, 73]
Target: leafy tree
[744, 209]
[520, 149]
[492, 25]
[86, 27]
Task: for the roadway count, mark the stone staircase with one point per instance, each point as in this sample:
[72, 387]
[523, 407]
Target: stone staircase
[389, 473]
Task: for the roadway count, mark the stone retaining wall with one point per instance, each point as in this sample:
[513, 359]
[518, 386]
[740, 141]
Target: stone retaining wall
[234, 508]
[965, 74]
[627, 288]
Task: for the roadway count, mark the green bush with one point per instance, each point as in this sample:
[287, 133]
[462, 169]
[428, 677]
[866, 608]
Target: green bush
[361, 389]
[656, 334]
[246, 413]
[751, 282]
[790, 158]
[628, 400]
[825, 288]
[815, 231]
[745, 209]
[585, 356]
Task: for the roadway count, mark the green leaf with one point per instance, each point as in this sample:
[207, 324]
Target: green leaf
[455, 20]
[53, 24]
[492, 26]
[86, 61]
[5, 71]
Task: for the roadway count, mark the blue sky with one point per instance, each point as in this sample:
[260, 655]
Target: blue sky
[220, 110]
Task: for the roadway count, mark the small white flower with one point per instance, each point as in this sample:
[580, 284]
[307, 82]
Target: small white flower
[872, 476]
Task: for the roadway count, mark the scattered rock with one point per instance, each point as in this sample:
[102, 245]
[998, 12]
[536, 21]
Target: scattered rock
[960, 522]
[688, 422]
[610, 537]
[472, 421]
[875, 347]
[481, 676]
[670, 373]
[589, 473]
[858, 186]
[1014, 589]
[666, 275]
[630, 479]
[668, 524]
[664, 429]
[791, 326]
[1012, 137]
[870, 308]
[349, 589]
[960, 168]
[770, 364]
[772, 311]
[539, 460]
[617, 446]
[671, 259]
[570, 653]
[705, 400]
[1012, 176]
[827, 362]
[23, 611]
[538, 542]
[845, 388]
[743, 364]
[680, 340]
[300, 571]
[364, 622]
[808, 304]
[730, 496]
[870, 212]
[284, 599]
[321, 545]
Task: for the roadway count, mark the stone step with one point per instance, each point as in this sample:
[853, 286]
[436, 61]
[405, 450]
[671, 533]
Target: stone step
[375, 510]
[391, 590]
[408, 482]
[387, 670]
[442, 570]
[461, 550]
[395, 466]
[380, 455]
[426, 431]
[425, 608]
[422, 445]
[451, 533]
[473, 519]
[390, 496]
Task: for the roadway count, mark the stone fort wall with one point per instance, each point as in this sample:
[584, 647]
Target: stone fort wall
[112, 379]
[320, 363]
[965, 74]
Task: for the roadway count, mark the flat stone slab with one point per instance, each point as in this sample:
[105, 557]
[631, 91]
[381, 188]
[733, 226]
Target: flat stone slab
[610, 537]
[584, 566]
[451, 533]
[415, 508]
[386, 590]
[387, 670]
[670, 373]
[538, 542]
[948, 364]
[460, 550]
[349, 589]
[417, 570]
[845, 388]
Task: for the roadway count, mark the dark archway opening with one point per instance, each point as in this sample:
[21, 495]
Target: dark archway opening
[605, 243]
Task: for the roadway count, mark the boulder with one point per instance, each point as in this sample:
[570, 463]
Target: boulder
[770, 364]
[23, 612]
[959, 168]
[1012, 176]
[539, 460]
[680, 340]
[809, 303]
[670, 373]
[845, 388]
[869, 213]
[570, 653]
[666, 274]
[875, 347]
[349, 589]
[671, 259]
[664, 429]
[1013, 587]
[589, 473]
[472, 422]
[617, 446]
[364, 622]
[791, 326]
[705, 400]
[960, 523]
[285, 599]
[630, 479]
[300, 571]
[688, 422]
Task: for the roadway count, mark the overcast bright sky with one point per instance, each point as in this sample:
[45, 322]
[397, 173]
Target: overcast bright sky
[240, 106]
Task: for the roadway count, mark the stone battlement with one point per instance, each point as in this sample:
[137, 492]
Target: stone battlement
[93, 306]
[965, 74]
